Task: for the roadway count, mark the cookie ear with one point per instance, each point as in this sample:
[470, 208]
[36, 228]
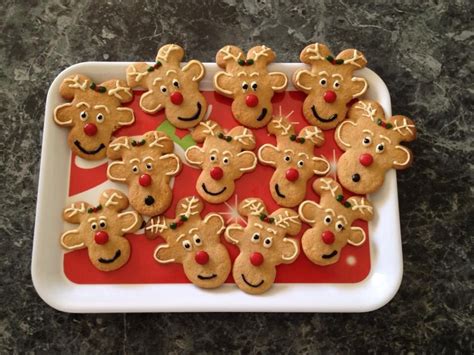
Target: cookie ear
[125, 116]
[308, 211]
[303, 80]
[278, 80]
[356, 236]
[320, 165]
[72, 240]
[358, 86]
[195, 70]
[194, 155]
[63, 114]
[75, 212]
[73, 84]
[116, 171]
[164, 254]
[402, 157]
[130, 221]
[171, 164]
[234, 233]
[152, 101]
[289, 250]
[346, 134]
[224, 83]
[216, 221]
[268, 154]
[114, 199]
[246, 161]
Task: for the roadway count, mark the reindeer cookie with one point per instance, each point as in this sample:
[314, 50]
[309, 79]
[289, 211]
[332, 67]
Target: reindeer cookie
[193, 242]
[93, 114]
[293, 159]
[248, 82]
[146, 165]
[101, 229]
[330, 84]
[170, 87]
[223, 158]
[372, 146]
[263, 244]
[331, 222]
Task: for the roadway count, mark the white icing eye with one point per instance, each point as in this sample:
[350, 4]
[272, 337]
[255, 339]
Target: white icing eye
[327, 220]
[93, 226]
[255, 238]
[323, 82]
[213, 157]
[163, 89]
[367, 141]
[254, 86]
[149, 166]
[197, 240]
[176, 83]
[379, 148]
[245, 86]
[287, 158]
[83, 115]
[226, 160]
[135, 169]
[300, 163]
[99, 118]
[187, 245]
[339, 226]
[102, 224]
[336, 85]
[267, 243]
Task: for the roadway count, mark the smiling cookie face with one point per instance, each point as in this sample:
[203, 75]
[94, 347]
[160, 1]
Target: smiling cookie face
[248, 82]
[372, 146]
[223, 158]
[330, 84]
[146, 165]
[193, 242]
[263, 245]
[331, 222]
[94, 113]
[170, 87]
[101, 229]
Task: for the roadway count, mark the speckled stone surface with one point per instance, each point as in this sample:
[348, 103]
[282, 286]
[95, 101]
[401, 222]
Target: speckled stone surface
[423, 51]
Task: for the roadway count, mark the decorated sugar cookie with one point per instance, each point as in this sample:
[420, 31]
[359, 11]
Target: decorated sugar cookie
[101, 229]
[171, 87]
[224, 157]
[263, 244]
[248, 82]
[146, 165]
[330, 84]
[331, 222]
[94, 113]
[372, 145]
[293, 159]
[193, 242]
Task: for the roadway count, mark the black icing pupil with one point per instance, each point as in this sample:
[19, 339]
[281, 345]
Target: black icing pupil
[245, 86]
[83, 115]
[323, 82]
[328, 220]
[366, 141]
[254, 86]
[198, 240]
[176, 84]
[102, 224]
[356, 177]
[287, 158]
[256, 236]
[94, 226]
[267, 241]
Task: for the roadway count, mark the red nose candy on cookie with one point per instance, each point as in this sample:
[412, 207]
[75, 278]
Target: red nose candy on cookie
[256, 259]
[144, 180]
[217, 173]
[366, 159]
[292, 174]
[176, 98]
[101, 237]
[201, 257]
[328, 237]
[251, 100]
[90, 129]
[330, 96]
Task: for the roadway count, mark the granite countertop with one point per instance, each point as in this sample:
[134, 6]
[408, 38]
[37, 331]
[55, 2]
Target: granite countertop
[423, 51]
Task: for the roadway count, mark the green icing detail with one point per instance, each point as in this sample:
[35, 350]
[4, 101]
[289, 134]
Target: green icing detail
[185, 142]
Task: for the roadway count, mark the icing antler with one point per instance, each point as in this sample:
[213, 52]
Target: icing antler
[170, 53]
[75, 83]
[118, 90]
[284, 220]
[156, 225]
[252, 207]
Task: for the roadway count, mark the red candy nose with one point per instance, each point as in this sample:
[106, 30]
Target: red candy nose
[176, 98]
[90, 129]
[256, 259]
[251, 100]
[201, 257]
[292, 174]
[330, 96]
[101, 237]
[366, 159]
[328, 237]
[144, 180]
[217, 173]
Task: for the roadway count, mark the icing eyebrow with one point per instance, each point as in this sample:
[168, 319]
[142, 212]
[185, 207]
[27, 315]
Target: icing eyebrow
[242, 73]
[288, 151]
[386, 138]
[330, 211]
[192, 230]
[254, 74]
[214, 150]
[343, 218]
[157, 79]
[228, 153]
[91, 219]
[181, 236]
[323, 73]
[338, 76]
[170, 71]
[147, 158]
[303, 155]
[102, 107]
[271, 231]
[82, 103]
[368, 131]
[258, 225]
[132, 160]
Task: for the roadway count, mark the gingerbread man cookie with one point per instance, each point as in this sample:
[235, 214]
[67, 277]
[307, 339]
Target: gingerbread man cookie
[331, 222]
[101, 229]
[330, 84]
[293, 159]
[248, 82]
[263, 244]
[193, 242]
[372, 146]
[93, 114]
[146, 165]
[223, 158]
[171, 87]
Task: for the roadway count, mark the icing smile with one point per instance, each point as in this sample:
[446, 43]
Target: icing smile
[315, 114]
[90, 152]
[252, 285]
[277, 189]
[212, 193]
[193, 117]
[329, 256]
[200, 277]
[262, 114]
[109, 261]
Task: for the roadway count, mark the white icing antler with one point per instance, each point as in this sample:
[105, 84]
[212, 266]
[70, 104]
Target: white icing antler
[73, 210]
[190, 204]
[369, 110]
[138, 75]
[280, 125]
[229, 55]
[246, 138]
[210, 127]
[164, 52]
[157, 140]
[157, 225]
[111, 199]
[355, 57]
[405, 126]
[328, 186]
[315, 50]
[284, 221]
[263, 52]
[115, 91]
[76, 83]
[313, 134]
[119, 144]
[256, 207]
[360, 206]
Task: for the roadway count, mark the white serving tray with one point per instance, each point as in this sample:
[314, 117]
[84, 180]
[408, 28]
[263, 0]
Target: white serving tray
[56, 290]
